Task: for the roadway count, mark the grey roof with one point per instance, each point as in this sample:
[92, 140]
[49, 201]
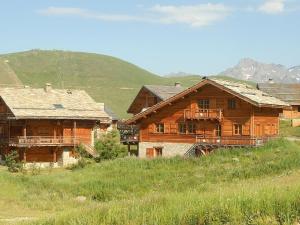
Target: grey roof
[111, 113]
[257, 96]
[289, 93]
[36, 103]
[164, 92]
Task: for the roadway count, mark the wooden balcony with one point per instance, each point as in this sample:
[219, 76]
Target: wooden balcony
[22, 141]
[203, 114]
[232, 141]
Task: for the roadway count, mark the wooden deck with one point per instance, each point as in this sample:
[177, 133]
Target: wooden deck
[28, 141]
[202, 114]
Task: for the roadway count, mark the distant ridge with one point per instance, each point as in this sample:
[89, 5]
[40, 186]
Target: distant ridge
[249, 69]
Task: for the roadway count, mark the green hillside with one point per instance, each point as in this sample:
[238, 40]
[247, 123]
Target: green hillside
[7, 75]
[105, 78]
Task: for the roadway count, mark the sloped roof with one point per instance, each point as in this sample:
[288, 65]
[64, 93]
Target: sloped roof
[160, 91]
[36, 103]
[164, 92]
[289, 93]
[240, 90]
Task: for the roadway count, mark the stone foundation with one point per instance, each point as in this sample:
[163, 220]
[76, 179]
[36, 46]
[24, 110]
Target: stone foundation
[168, 149]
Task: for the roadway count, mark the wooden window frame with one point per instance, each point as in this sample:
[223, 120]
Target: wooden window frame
[203, 103]
[179, 128]
[218, 130]
[159, 128]
[231, 104]
[193, 126]
[239, 129]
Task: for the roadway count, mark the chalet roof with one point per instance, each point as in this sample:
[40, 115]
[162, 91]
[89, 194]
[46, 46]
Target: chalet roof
[289, 93]
[164, 92]
[240, 90]
[108, 111]
[161, 91]
[37, 103]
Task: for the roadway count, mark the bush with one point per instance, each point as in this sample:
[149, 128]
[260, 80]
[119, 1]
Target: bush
[82, 162]
[11, 161]
[82, 152]
[109, 147]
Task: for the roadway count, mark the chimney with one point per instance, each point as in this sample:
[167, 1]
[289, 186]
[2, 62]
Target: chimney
[177, 84]
[271, 81]
[48, 87]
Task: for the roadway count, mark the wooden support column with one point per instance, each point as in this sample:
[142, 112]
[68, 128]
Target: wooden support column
[128, 147]
[24, 130]
[54, 155]
[24, 155]
[74, 132]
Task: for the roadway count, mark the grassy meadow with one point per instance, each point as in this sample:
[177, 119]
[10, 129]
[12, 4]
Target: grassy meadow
[241, 186]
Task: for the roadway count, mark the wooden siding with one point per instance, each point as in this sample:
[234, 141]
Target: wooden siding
[291, 113]
[244, 114]
[144, 99]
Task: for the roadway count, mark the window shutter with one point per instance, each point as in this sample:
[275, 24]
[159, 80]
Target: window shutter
[151, 128]
[167, 128]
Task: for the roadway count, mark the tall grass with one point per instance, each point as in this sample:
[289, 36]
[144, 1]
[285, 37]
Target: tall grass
[241, 186]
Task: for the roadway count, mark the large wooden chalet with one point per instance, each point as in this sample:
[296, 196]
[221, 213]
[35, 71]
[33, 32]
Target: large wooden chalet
[45, 125]
[208, 115]
[289, 93]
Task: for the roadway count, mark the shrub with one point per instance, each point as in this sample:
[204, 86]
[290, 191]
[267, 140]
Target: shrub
[11, 161]
[109, 147]
[82, 152]
[82, 162]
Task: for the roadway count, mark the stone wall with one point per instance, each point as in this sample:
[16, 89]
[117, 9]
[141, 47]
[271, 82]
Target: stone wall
[168, 149]
[296, 122]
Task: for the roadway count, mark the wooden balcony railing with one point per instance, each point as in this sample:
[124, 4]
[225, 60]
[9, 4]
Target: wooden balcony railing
[47, 141]
[232, 140]
[203, 114]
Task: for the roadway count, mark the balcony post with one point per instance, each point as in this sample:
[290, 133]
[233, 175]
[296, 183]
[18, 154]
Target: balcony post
[24, 131]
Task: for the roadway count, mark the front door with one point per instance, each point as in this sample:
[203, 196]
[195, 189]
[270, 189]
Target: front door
[150, 152]
[258, 130]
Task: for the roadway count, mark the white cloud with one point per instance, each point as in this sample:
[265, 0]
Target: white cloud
[192, 15]
[273, 6]
[195, 15]
[56, 11]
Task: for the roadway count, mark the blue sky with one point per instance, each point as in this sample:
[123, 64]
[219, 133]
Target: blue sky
[203, 37]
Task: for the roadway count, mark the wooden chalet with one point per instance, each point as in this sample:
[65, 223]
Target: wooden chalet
[45, 125]
[150, 95]
[213, 113]
[289, 93]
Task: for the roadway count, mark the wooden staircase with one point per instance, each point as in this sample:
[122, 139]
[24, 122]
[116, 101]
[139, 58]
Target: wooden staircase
[90, 149]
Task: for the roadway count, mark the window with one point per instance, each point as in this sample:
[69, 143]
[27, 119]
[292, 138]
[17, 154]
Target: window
[237, 129]
[203, 104]
[231, 104]
[182, 128]
[58, 106]
[160, 128]
[191, 128]
[158, 151]
[218, 130]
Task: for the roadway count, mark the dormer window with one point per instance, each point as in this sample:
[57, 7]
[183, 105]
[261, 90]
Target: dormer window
[58, 106]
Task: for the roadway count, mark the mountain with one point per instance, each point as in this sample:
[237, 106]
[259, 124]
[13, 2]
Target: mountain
[107, 79]
[249, 69]
[181, 74]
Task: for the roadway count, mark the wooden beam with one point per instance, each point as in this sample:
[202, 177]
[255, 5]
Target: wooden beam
[54, 155]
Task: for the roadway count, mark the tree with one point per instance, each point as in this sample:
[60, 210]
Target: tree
[109, 146]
